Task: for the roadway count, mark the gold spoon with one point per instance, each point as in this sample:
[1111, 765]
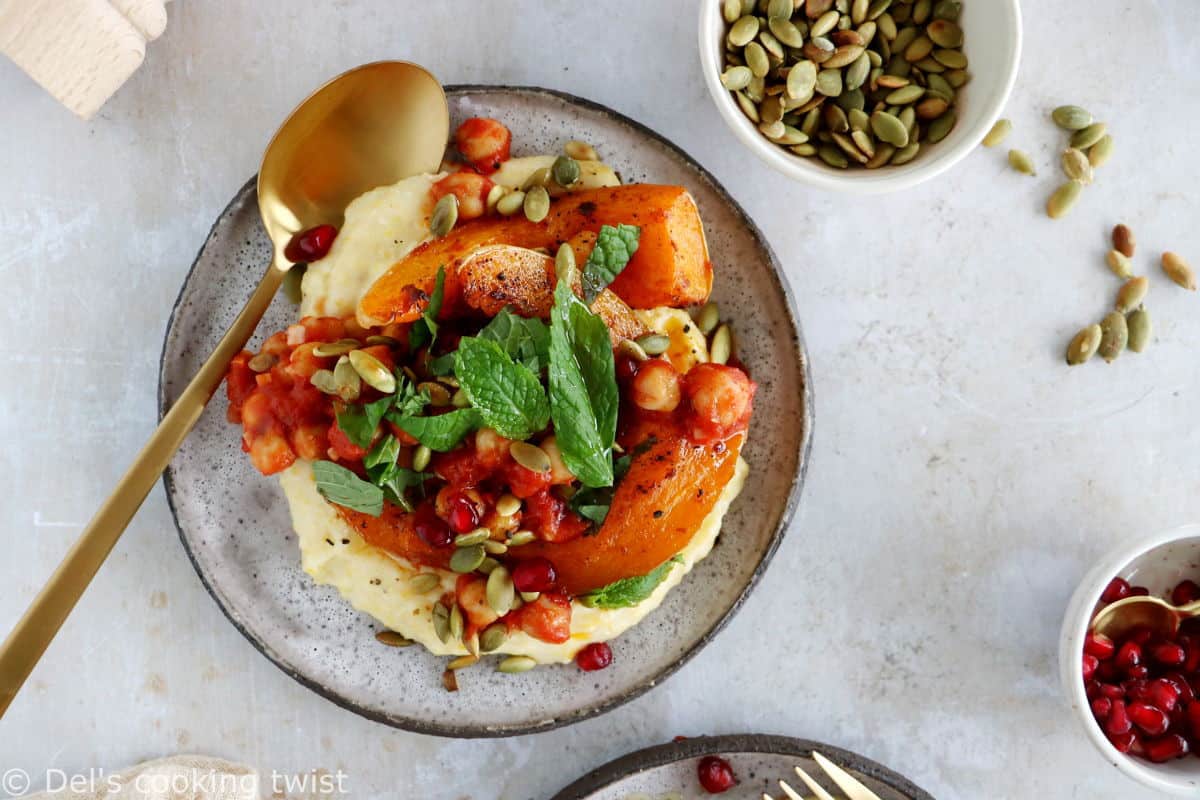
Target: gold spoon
[1121, 617]
[371, 126]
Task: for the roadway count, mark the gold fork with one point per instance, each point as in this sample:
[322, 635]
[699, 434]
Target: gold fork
[846, 782]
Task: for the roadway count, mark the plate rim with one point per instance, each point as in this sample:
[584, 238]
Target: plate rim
[788, 512]
[672, 752]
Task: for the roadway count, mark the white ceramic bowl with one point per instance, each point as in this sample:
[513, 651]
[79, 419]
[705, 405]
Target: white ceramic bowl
[992, 30]
[1158, 562]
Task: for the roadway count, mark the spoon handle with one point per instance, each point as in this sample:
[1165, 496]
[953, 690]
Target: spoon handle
[33, 633]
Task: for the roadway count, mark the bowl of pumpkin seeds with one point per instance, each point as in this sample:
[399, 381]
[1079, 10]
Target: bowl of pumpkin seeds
[861, 96]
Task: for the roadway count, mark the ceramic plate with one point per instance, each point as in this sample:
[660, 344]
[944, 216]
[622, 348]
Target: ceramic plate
[668, 771]
[237, 531]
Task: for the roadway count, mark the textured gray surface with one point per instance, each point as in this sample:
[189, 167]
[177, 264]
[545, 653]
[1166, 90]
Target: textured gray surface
[962, 480]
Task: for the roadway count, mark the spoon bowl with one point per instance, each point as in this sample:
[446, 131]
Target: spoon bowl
[1119, 618]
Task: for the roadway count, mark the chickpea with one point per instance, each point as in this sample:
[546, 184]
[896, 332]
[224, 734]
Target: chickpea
[656, 386]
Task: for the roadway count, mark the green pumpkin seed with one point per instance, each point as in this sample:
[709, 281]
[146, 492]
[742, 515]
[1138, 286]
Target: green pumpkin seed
[756, 59]
[1071, 118]
[772, 46]
[467, 559]
[858, 11]
[537, 204]
[844, 56]
[856, 73]
[1140, 329]
[947, 9]
[262, 362]
[1114, 335]
[1084, 345]
[462, 662]
[772, 130]
[805, 150]
[493, 637]
[906, 154]
[903, 41]
[347, 385]
[654, 344]
[950, 59]
[323, 379]
[507, 505]
[521, 537]
[1101, 151]
[829, 82]
[338, 348]
[516, 664]
[1063, 199]
[425, 582]
[779, 8]
[1132, 294]
[392, 639]
[743, 31]
[791, 136]
[998, 133]
[786, 32]
[859, 120]
[824, 24]
[1076, 166]
[883, 154]
[494, 194]
[849, 148]
[488, 565]
[1089, 136]
[512, 202]
[377, 339]
[921, 10]
[802, 81]
[945, 33]
[495, 548]
[707, 318]
[439, 395]
[421, 458]
[1179, 271]
[445, 214]
[747, 105]
[957, 78]
[1120, 264]
[939, 87]
[471, 538]
[941, 127]
[833, 156]
[372, 371]
[905, 96]
[736, 78]
[441, 622]
[721, 347]
[889, 128]
[862, 140]
[919, 49]
[877, 8]
[731, 10]
[500, 591]
[530, 456]
[1021, 162]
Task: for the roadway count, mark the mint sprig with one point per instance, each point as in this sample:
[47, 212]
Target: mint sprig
[424, 330]
[339, 485]
[629, 592]
[442, 432]
[526, 340]
[508, 396]
[614, 247]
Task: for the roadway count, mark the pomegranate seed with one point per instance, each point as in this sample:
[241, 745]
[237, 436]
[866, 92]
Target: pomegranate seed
[1163, 694]
[1138, 591]
[1165, 748]
[1193, 720]
[715, 774]
[1090, 662]
[1191, 648]
[1123, 741]
[1183, 689]
[430, 529]
[1167, 653]
[1118, 719]
[597, 655]
[1136, 689]
[310, 245]
[1091, 689]
[1140, 635]
[1153, 721]
[1100, 708]
[463, 517]
[1139, 672]
[1107, 672]
[1185, 592]
[1117, 589]
[1112, 691]
[1128, 657]
[534, 575]
[1099, 645]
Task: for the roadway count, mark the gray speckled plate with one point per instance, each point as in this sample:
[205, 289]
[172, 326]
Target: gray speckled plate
[235, 526]
[758, 761]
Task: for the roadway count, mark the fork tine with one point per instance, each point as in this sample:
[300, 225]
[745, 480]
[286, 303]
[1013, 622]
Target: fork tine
[789, 791]
[812, 785]
[767, 796]
[847, 782]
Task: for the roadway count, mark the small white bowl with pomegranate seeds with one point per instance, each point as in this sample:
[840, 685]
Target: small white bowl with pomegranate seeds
[1139, 698]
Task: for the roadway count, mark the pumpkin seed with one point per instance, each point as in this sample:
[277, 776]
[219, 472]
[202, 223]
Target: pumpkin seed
[338, 348]
[731, 10]
[1179, 271]
[529, 597]
[494, 194]
[323, 379]
[859, 120]
[445, 214]
[511, 203]
[849, 148]
[1089, 136]
[1120, 264]
[773, 130]
[1076, 166]
[947, 9]
[537, 204]
[425, 582]
[878, 7]
[521, 537]
[420, 459]
[889, 129]
[631, 349]
[756, 59]
[805, 150]
[457, 623]
[802, 81]
[791, 136]
[940, 128]
[721, 347]
[1021, 162]
[467, 559]
[493, 637]
[495, 548]
[945, 33]
[905, 95]
[931, 108]
[920, 47]
[939, 87]
[654, 344]
[1084, 345]
[462, 662]
[460, 399]
[892, 81]
[772, 45]
[530, 456]
[906, 154]
[856, 73]
[950, 59]
[736, 78]
[581, 151]
[439, 395]
[1063, 199]
[500, 591]
[998, 133]
[957, 78]
[829, 82]
[747, 105]
[1132, 294]
[347, 385]
[378, 339]
[507, 505]
[862, 140]
[1071, 118]
[516, 664]
[786, 32]
[392, 639]
[833, 156]
[1101, 151]
[1114, 335]
[471, 538]
[488, 565]
[1123, 240]
[1140, 329]
[372, 370]
[844, 56]
[262, 362]
[824, 24]
[883, 154]
[920, 11]
[707, 317]
[441, 622]
[742, 31]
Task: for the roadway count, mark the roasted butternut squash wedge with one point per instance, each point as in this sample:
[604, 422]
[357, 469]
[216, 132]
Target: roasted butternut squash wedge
[396, 531]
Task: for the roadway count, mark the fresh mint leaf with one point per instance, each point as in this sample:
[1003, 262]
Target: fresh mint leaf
[442, 365]
[583, 388]
[395, 480]
[424, 331]
[409, 401]
[614, 247]
[527, 341]
[382, 456]
[339, 485]
[593, 504]
[629, 592]
[359, 422]
[508, 396]
[442, 432]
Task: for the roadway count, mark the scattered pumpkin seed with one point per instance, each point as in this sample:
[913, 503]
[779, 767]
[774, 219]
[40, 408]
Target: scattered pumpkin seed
[445, 214]
[1119, 263]
[421, 458]
[537, 204]
[441, 622]
[1132, 294]
[565, 171]
[450, 681]
[460, 399]
[467, 559]
[492, 547]
[1076, 166]
[1179, 271]
[1123, 240]
[581, 151]
[1114, 335]
[471, 538]
[488, 565]
[521, 537]
[906, 154]
[494, 636]
[1087, 137]
[511, 203]
[338, 348]
[1071, 118]
[1021, 162]
[425, 582]
[529, 597]
[346, 382]
[392, 639]
[1101, 151]
[516, 664]
[1063, 199]
[372, 370]
[721, 347]
[654, 344]
[889, 128]
[530, 456]
[1140, 329]
[323, 379]
[494, 194]
[378, 339]
[462, 662]
[262, 362]
[941, 127]
[457, 622]
[1084, 345]
[507, 505]
[500, 591]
